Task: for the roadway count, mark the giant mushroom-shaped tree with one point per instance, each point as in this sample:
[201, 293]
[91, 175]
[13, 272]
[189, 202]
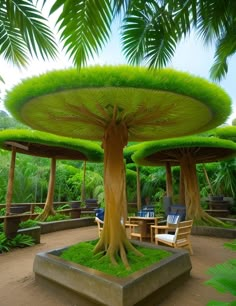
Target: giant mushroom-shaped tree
[114, 105]
[47, 145]
[187, 152]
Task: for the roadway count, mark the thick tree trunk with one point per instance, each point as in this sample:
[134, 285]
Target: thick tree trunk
[181, 188]
[169, 184]
[113, 240]
[207, 179]
[10, 181]
[48, 207]
[192, 195]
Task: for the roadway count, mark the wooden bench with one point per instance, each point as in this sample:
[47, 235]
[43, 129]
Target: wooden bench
[11, 223]
[217, 212]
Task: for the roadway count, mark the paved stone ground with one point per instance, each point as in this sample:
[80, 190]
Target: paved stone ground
[18, 288]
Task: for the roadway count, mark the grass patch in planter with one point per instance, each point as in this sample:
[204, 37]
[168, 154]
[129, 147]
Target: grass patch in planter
[82, 253]
[83, 285]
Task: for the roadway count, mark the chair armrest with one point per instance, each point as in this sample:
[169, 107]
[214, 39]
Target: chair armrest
[160, 226]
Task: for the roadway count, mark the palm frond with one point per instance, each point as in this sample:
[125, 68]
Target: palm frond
[223, 277]
[148, 34]
[24, 31]
[84, 27]
[35, 31]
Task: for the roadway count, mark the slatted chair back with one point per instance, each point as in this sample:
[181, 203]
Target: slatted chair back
[180, 239]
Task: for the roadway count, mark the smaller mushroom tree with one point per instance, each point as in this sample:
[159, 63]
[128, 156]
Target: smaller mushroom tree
[187, 152]
[115, 105]
[45, 145]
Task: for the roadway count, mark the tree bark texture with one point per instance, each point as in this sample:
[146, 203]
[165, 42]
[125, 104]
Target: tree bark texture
[114, 241]
[192, 195]
[48, 207]
[169, 184]
[10, 181]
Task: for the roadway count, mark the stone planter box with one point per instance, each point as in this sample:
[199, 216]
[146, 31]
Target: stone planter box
[84, 286]
[34, 232]
[214, 231]
[53, 226]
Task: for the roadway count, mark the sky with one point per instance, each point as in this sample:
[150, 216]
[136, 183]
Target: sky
[191, 56]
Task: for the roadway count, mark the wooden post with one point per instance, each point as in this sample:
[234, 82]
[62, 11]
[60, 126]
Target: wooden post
[10, 181]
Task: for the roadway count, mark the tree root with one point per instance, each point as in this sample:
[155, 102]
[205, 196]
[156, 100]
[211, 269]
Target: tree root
[111, 251]
[207, 219]
[45, 214]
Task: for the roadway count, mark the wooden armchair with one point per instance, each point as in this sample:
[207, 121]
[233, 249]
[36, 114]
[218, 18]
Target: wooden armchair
[181, 237]
[171, 224]
[100, 225]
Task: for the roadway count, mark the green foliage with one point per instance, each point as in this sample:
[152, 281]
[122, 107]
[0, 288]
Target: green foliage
[21, 241]
[217, 303]
[93, 185]
[3, 211]
[225, 179]
[4, 243]
[63, 206]
[38, 210]
[231, 245]
[153, 184]
[28, 223]
[7, 122]
[82, 253]
[223, 276]
[24, 32]
[131, 185]
[137, 83]
[57, 217]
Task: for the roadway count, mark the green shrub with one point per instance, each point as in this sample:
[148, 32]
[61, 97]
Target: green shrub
[1, 227]
[4, 243]
[28, 223]
[64, 206]
[57, 217]
[38, 210]
[3, 211]
[223, 277]
[21, 241]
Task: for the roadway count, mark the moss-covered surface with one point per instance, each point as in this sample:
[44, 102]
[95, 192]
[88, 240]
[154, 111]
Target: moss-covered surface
[49, 145]
[203, 150]
[154, 104]
[82, 253]
[226, 132]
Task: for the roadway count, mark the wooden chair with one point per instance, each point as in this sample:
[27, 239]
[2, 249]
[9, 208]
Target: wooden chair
[181, 237]
[135, 231]
[100, 225]
[171, 224]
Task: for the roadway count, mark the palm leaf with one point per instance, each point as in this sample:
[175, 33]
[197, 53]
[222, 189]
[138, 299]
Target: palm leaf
[231, 245]
[149, 34]
[84, 27]
[23, 30]
[223, 277]
[217, 303]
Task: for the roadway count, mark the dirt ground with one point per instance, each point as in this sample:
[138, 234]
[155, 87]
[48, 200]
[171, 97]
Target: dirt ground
[18, 287]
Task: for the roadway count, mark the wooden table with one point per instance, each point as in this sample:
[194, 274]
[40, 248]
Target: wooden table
[142, 231]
